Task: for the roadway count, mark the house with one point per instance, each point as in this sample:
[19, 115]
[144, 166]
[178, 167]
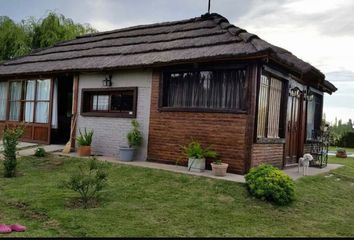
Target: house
[200, 78]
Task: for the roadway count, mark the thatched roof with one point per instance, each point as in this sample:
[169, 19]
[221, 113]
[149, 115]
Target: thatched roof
[204, 38]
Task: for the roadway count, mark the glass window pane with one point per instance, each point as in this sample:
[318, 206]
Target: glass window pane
[274, 108]
[42, 112]
[122, 101]
[262, 107]
[14, 111]
[30, 90]
[102, 103]
[29, 106]
[43, 89]
[3, 100]
[16, 89]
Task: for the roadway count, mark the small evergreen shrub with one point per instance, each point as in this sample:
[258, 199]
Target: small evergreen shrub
[134, 136]
[89, 180]
[10, 140]
[269, 183]
[40, 152]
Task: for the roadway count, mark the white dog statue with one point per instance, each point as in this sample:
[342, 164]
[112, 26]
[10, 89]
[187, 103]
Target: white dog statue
[305, 162]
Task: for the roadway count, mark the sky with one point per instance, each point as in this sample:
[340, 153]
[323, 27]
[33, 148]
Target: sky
[320, 32]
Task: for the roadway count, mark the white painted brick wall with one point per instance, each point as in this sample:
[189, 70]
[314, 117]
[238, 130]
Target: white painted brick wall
[110, 133]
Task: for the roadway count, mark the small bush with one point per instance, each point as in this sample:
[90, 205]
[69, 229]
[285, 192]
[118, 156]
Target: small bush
[10, 139]
[269, 183]
[40, 152]
[134, 136]
[88, 181]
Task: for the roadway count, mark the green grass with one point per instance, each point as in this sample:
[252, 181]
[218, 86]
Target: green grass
[147, 202]
[333, 148]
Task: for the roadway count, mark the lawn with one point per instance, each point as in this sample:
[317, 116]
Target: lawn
[147, 202]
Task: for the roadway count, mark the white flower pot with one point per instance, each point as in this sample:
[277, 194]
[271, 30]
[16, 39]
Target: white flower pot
[196, 165]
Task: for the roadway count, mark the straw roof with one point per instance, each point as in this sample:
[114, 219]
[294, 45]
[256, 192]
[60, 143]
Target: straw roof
[209, 37]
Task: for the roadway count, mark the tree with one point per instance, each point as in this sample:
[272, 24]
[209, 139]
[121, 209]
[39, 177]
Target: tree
[55, 28]
[18, 39]
[14, 40]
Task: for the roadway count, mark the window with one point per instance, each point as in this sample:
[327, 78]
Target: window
[314, 115]
[3, 100]
[35, 98]
[215, 90]
[270, 124]
[112, 102]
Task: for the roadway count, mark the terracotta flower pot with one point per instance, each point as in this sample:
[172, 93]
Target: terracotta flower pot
[341, 155]
[219, 169]
[84, 151]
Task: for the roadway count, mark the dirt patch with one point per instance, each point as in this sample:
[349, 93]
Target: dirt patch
[28, 212]
[78, 203]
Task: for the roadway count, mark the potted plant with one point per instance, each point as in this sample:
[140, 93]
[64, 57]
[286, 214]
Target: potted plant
[135, 139]
[219, 168]
[85, 141]
[341, 153]
[196, 155]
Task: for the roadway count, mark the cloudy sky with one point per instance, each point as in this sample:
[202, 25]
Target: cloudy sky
[320, 32]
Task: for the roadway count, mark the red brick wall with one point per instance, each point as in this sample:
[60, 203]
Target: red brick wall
[268, 153]
[169, 130]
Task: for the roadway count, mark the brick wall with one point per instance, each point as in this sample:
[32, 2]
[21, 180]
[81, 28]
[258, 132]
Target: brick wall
[110, 133]
[169, 130]
[267, 153]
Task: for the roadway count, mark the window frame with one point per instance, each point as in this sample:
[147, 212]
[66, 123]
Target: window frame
[23, 101]
[270, 73]
[109, 92]
[320, 95]
[232, 66]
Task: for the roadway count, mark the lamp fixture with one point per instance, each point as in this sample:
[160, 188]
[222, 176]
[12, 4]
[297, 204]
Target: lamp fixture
[295, 92]
[308, 95]
[107, 82]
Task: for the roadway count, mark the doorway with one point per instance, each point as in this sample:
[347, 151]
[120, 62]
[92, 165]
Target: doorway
[294, 142]
[62, 109]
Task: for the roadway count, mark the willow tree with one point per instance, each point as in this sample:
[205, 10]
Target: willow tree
[18, 39]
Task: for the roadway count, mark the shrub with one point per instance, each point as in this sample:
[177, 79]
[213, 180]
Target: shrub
[40, 152]
[88, 181]
[346, 140]
[269, 183]
[134, 136]
[195, 150]
[10, 139]
[86, 138]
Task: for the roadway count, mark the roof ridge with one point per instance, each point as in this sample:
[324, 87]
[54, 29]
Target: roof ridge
[142, 26]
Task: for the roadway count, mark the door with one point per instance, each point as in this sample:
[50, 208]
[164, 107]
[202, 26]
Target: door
[294, 143]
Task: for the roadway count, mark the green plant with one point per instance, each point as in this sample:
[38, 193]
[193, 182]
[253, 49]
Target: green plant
[40, 152]
[195, 150]
[217, 162]
[134, 136]
[88, 181]
[86, 138]
[269, 183]
[10, 140]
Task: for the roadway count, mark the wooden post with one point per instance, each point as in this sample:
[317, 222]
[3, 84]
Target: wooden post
[74, 110]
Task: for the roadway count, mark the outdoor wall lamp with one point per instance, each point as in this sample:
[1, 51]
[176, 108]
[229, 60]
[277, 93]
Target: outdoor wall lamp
[295, 92]
[107, 82]
[308, 95]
